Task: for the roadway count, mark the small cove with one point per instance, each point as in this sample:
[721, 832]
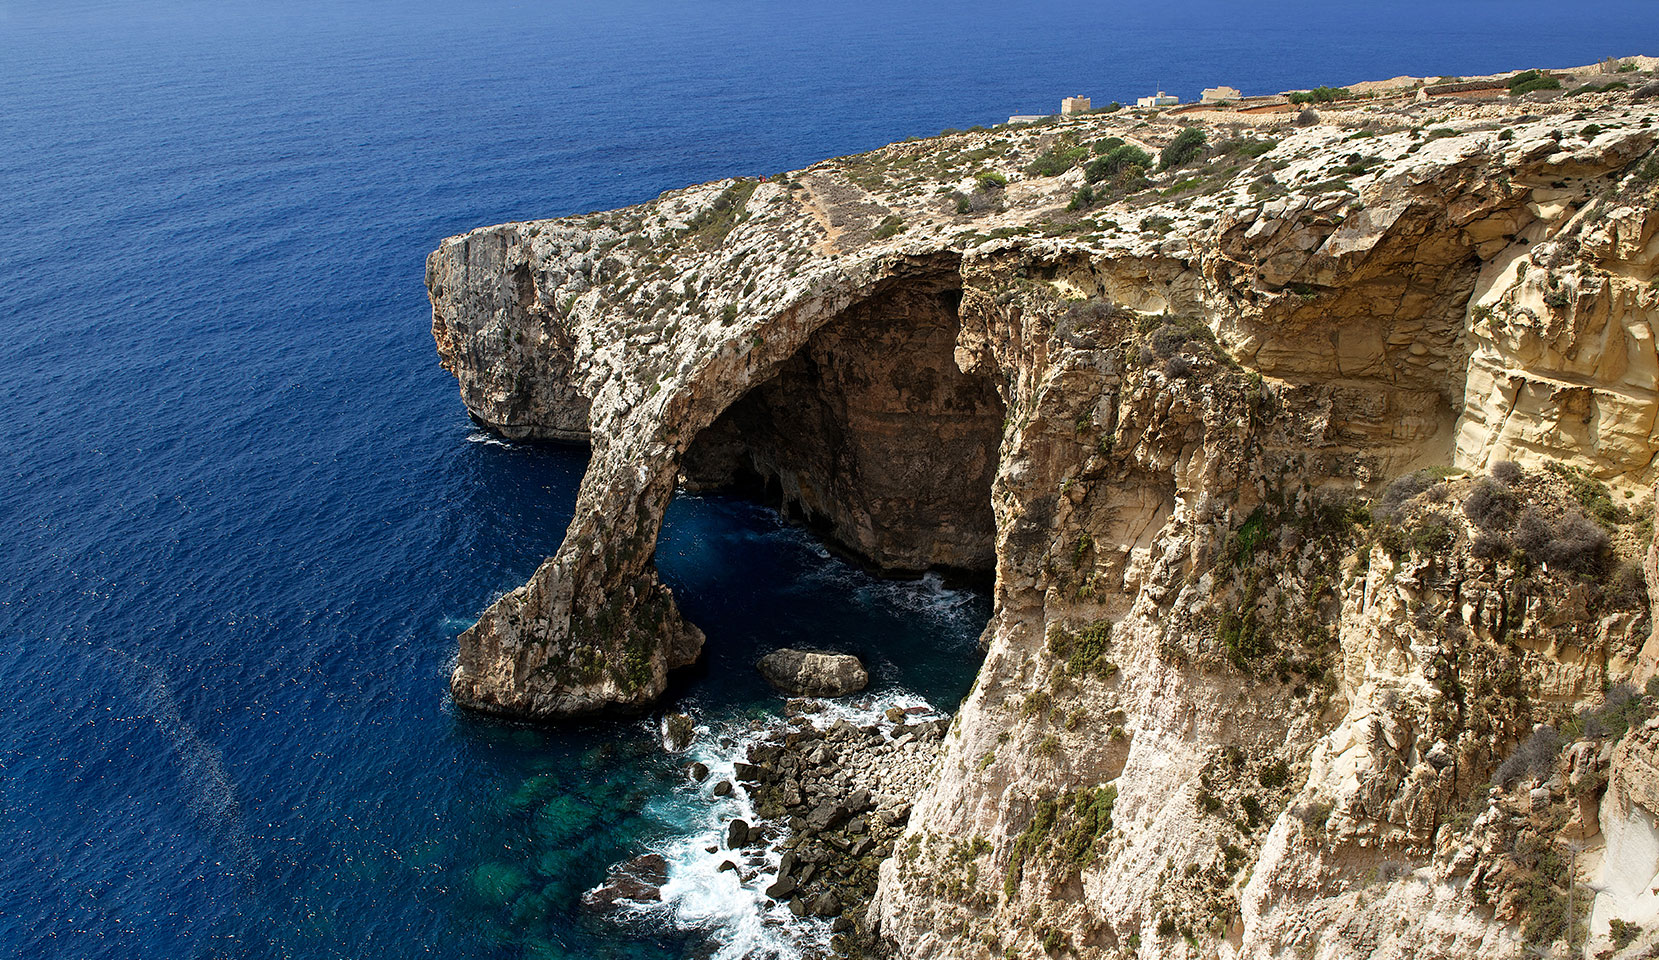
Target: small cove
[571, 800]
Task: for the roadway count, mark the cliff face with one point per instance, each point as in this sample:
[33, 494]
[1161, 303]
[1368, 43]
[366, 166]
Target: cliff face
[872, 435]
[1263, 633]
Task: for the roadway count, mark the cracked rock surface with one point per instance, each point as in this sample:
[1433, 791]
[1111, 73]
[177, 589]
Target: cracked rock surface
[1314, 472]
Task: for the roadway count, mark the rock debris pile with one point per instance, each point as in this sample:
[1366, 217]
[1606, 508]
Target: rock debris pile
[834, 801]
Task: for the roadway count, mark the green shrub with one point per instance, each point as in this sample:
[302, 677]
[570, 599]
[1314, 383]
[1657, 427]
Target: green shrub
[1429, 538]
[1082, 199]
[1156, 224]
[1249, 537]
[711, 225]
[1115, 160]
[1185, 148]
[1246, 148]
[1321, 95]
[1591, 494]
[890, 227]
[1057, 160]
[1028, 843]
[1530, 80]
[1243, 637]
[990, 180]
[1092, 819]
[1084, 651]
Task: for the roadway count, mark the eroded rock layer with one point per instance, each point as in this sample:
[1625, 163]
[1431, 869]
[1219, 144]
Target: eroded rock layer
[1313, 463]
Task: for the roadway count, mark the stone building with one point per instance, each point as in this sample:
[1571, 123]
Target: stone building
[1162, 99]
[1218, 94]
[1071, 105]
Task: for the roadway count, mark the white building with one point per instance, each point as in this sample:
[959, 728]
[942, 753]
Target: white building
[1218, 94]
[1161, 100]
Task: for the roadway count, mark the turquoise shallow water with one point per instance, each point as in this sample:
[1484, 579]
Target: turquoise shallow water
[245, 514]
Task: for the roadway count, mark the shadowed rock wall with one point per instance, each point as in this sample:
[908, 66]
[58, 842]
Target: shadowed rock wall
[1238, 700]
[872, 436]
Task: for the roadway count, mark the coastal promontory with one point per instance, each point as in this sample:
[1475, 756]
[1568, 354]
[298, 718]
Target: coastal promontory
[1310, 448]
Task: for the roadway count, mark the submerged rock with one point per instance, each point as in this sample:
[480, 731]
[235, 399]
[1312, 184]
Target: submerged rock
[813, 673]
[639, 880]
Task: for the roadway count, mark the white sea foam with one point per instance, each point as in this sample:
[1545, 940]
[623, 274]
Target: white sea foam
[482, 436]
[928, 596]
[731, 906]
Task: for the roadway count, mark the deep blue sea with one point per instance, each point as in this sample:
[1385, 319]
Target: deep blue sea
[243, 513]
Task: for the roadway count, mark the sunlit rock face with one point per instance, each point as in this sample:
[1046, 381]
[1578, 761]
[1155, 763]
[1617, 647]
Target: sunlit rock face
[1246, 688]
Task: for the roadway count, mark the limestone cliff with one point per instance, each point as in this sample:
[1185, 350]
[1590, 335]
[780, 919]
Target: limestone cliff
[1264, 631]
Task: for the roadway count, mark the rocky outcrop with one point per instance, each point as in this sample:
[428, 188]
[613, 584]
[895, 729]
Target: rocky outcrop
[833, 798]
[811, 673]
[1263, 631]
[638, 880]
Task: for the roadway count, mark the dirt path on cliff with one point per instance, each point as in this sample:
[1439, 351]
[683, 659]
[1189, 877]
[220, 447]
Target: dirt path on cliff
[846, 212]
[820, 214]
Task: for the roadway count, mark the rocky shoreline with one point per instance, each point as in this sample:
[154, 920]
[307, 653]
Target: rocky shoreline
[830, 797]
[843, 796]
[1319, 457]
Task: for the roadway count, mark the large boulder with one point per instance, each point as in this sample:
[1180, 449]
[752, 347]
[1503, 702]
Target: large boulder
[814, 674]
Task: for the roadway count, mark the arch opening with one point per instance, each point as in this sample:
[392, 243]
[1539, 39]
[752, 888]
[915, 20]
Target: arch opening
[871, 436]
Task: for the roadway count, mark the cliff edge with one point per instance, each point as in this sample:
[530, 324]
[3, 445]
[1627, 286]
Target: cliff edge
[1312, 455]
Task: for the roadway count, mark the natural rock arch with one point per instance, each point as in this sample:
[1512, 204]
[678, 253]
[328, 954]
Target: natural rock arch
[848, 406]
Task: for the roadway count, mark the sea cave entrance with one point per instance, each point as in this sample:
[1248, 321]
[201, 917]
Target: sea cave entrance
[871, 436]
